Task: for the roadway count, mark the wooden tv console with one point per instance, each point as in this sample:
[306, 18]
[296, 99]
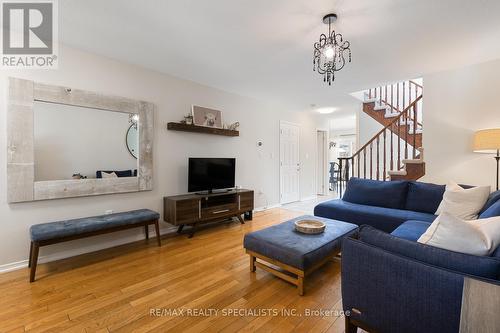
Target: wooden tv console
[195, 209]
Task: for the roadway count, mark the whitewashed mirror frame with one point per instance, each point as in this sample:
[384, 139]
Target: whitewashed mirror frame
[21, 184]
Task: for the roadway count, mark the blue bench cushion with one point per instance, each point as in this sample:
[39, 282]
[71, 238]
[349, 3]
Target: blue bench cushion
[424, 197]
[486, 267]
[386, 219]
[281, 242]
[46, 231]
[411, 230]
[376, 193]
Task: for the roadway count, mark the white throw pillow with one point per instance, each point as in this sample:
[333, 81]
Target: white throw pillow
[108, 174]
[463, 203]
[479, 237]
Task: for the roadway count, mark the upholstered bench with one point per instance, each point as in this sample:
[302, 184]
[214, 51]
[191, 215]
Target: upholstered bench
[63, 231]
[296, 253]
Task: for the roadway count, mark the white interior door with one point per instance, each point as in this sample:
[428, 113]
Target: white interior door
[321, 163]
[289, 162]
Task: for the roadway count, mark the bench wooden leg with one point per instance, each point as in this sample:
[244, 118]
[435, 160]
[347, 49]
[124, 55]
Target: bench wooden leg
[146, 230]
[157, 228]
[31, 254]
[33, 260]
[252, 263]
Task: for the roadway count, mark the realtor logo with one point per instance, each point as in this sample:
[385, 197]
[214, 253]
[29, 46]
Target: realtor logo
[29, 34]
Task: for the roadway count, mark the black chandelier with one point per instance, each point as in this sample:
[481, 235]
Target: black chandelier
[330, 51]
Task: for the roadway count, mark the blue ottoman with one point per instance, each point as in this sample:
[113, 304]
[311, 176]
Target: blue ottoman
[297, 253]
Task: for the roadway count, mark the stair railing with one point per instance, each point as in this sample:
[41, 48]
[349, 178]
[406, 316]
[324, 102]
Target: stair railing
[386, 150]
[398, 96]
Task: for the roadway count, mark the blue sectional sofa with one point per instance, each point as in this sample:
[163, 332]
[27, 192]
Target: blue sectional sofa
[387, 205]
[391, 283]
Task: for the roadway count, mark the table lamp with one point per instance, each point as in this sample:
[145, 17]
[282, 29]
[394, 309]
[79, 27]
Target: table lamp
[488, 141]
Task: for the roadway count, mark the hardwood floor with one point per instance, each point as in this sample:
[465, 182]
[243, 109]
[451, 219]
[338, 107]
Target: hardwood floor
[116, 290]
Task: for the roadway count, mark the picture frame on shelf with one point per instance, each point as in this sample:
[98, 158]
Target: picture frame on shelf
[206, 117]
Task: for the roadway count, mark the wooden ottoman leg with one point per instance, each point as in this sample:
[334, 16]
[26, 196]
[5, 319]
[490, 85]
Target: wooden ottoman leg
[300, 285]
[34, 261]
[146, 231]
[157, 228]
[252, 263]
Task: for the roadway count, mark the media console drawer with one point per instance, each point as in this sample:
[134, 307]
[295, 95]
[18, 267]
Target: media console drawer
[220, 210]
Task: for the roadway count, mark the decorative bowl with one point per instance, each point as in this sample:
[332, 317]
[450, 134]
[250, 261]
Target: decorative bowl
[310, 226]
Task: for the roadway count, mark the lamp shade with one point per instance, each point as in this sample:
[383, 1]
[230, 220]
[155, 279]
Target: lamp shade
[487, 141]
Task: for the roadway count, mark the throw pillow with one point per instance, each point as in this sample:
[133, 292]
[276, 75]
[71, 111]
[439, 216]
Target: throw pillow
[108, 174]
[463, 203]
[480, 237]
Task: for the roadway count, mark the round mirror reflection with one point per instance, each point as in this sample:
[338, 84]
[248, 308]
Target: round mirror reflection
[133, 140]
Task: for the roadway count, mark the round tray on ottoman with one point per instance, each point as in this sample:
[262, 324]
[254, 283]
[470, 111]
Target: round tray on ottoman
[310, 226]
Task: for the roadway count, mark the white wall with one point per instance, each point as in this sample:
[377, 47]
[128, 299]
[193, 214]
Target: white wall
[71, 140]
[257, 167]
[367, 127]
[457, 103]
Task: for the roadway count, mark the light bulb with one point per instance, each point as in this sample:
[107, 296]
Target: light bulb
[329, 52]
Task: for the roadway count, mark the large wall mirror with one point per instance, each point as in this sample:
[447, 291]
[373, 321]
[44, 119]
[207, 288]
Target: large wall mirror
[132, 140]
[64, 143]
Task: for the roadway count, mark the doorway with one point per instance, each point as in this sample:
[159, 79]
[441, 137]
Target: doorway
[322, 170]
[289, 162]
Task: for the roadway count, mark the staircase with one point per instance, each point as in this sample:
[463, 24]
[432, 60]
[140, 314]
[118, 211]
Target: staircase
[395, 152]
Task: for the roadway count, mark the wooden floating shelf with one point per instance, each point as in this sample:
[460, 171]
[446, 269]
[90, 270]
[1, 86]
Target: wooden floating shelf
[201, 129]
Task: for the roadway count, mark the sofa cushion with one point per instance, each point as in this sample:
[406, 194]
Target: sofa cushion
[496, 254]
[492, 199]
[486, 267]
[493, 210]
[391, 194]
[411, 230]
[477, 237]
[386, 219]
[424, 197]
[44, 231]
[463, 203]
[119, 173]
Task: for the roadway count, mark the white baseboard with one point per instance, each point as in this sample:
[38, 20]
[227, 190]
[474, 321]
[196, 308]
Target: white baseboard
[13, 266]
[261, 209]
[82, 250]
[312, 197]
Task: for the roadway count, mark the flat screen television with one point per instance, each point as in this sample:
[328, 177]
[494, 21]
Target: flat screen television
[208, 174]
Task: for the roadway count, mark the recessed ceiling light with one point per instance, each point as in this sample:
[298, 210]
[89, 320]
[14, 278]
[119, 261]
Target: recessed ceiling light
[326, 110]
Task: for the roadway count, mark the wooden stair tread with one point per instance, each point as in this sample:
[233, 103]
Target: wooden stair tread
[413, 161]
[397, 172]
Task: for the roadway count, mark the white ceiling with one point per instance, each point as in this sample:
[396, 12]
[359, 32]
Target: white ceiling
[263, 48]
